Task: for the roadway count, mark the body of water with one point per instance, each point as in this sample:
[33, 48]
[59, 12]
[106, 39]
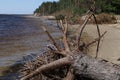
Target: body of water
[22, 35]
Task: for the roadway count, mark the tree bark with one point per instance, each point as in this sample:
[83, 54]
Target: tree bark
[95, 69]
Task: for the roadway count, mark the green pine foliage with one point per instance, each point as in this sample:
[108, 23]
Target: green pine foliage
[79, 6]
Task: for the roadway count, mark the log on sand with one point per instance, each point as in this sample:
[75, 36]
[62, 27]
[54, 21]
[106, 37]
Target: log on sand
[95, 69]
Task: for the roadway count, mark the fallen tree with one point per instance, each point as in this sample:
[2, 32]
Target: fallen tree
[95, 69]
[71, 63]
[82, 65]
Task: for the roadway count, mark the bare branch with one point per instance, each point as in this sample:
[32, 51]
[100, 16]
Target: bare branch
[66, 27]
[81, 30]
[97, 39]
[50, 66]
[99, 34]
[52, 49]
[62, 53]
[65, 41]
[62, 25]
[51, 38]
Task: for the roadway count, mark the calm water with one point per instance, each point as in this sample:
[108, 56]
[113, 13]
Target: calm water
[22, 35]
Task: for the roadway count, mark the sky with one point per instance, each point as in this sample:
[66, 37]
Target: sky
[20, 6]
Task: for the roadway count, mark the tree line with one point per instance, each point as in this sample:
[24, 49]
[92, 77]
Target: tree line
[79, 6]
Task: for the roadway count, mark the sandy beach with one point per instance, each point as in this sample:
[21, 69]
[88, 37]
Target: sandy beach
[110, 43]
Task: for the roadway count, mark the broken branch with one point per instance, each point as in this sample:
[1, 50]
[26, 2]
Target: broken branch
[81, 30]
[62, 25]
[97, 39]
[51, 38]
[50, 66]
[99, 34]
[65, 41]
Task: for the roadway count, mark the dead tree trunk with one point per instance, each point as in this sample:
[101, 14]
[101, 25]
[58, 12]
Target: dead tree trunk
[84, 66]
[95, 69]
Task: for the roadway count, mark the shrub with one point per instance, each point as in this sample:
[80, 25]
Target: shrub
[105, 18]
[60, 17]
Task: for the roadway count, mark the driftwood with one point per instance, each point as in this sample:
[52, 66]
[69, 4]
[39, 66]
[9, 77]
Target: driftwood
[82, 65]
[95, 69]
[77, 62]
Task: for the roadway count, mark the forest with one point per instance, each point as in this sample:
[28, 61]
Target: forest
[78, 7]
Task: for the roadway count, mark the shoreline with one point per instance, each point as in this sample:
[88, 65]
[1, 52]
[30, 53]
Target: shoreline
[33, 41]
[91, 34]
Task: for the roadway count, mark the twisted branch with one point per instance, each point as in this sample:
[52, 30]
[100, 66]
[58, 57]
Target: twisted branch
[81, 30]
[51, 38]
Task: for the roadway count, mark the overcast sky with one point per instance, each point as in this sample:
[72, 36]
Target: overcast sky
[19, 6]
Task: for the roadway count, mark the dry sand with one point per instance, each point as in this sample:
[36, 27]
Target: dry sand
[110, 44]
